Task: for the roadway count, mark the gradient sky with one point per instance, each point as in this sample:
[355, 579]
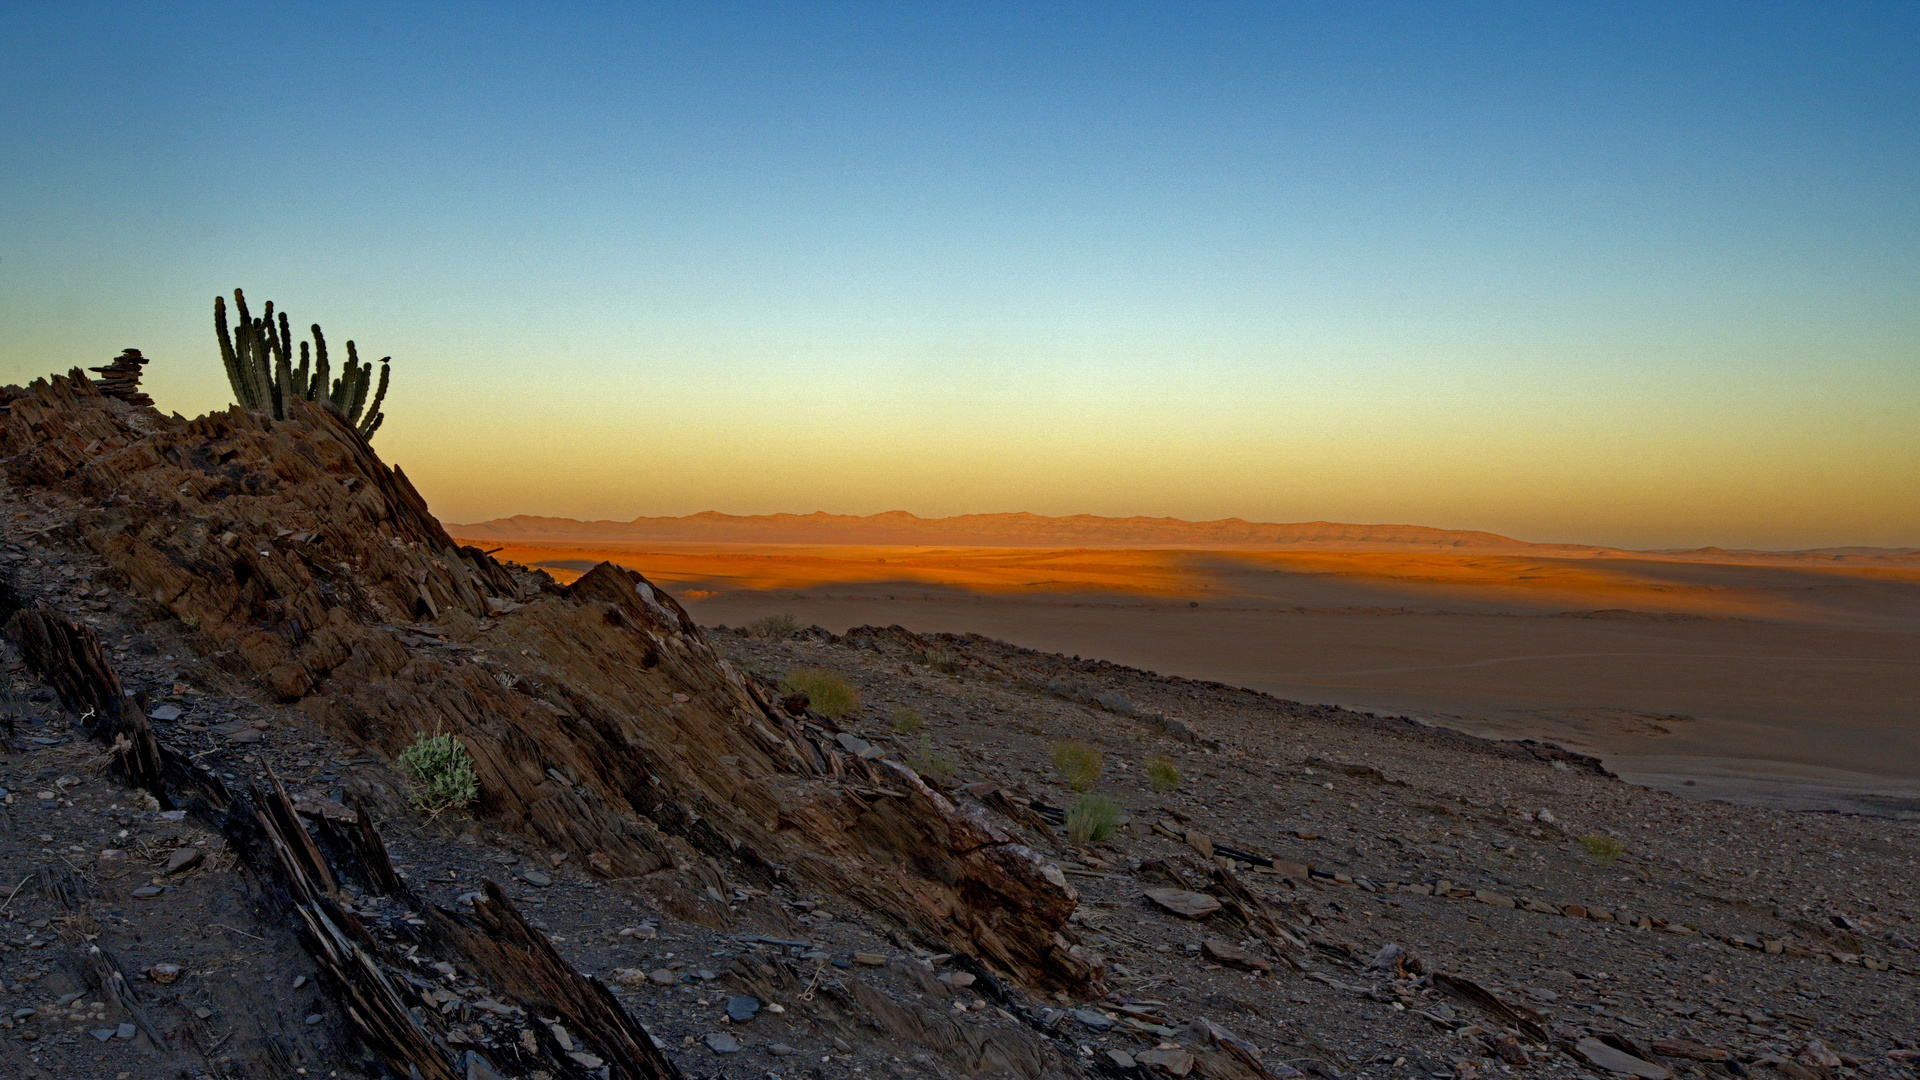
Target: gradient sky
[1643, 275]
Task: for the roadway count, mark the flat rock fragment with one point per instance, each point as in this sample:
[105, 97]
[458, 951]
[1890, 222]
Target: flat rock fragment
[1225, 952]
[1170, 1062]
[1190, 905]
[721, 1042]
[1602, 1056]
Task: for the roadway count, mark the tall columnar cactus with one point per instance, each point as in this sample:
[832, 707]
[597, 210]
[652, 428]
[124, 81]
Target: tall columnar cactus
[259, 359]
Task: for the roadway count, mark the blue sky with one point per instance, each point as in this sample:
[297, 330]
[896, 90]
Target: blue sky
[1635, 274]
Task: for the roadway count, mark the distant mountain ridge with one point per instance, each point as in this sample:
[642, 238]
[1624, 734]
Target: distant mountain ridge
[898, 527]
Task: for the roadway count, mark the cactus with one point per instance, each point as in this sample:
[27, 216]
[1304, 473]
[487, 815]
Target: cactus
[258, 354]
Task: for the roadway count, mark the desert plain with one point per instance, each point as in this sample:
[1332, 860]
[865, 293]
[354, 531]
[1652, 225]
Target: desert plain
[1782, 679]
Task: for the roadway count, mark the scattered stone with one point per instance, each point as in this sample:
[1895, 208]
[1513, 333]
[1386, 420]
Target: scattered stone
[1493, 899]
[959, 979]
[1120, 1058]
[644, 933]
[1191, 905]
[314, 1018]
[145, 892]
[629, 976]
[164, 973]
[1508, 1049]
[663, 977]
[870, 959]
[1201, 843]
[184, 859]
[165, 713]
[535, 878]
[1686, 1048]
[125, 1031]
[722, 1043]
[742, 1009]
[103, 1034]
[781, 1050]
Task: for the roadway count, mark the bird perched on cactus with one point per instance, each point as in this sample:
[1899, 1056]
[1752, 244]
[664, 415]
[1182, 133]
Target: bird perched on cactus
[258, 354]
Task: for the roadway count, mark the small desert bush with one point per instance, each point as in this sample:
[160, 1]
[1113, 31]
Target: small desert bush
[905, 721]
[1079, 764]
[931, 763]
[1162, 775]
[941, 660]
[774, 626]
[443, 772]
[1093, 817]
[1602, 847]
[829, 693]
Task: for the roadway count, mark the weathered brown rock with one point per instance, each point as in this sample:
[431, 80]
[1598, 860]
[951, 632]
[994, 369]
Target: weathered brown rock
[320, 570]
[1225, 952]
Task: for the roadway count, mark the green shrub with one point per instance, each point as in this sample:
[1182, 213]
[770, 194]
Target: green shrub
[932, 764]
[443, 769]
[1602, 847]
[1078, 763]
[1092, 818]
[774, 626]
[1162, 775]
[905, 720]
[829, 693]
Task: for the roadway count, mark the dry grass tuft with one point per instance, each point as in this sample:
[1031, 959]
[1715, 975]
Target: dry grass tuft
[931, 764]
[774, 626]
[1162, 776]
[1602, 847]
[1092, 818]
[1079, 764]
[827, 692]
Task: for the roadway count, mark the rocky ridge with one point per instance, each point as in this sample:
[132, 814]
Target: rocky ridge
[772, 890]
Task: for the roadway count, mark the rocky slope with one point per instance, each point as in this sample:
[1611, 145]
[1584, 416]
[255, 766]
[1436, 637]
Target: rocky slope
[768, 889]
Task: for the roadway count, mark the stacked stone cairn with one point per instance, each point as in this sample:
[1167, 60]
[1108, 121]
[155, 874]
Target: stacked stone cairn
[121, 379]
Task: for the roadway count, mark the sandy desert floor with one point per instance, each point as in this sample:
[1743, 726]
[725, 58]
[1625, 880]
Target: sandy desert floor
[1791, 681]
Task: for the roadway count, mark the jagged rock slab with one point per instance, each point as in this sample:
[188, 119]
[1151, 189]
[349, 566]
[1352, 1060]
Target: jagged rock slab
[600, 720]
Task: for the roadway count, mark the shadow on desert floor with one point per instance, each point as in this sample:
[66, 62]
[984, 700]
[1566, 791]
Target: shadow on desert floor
[1748, 676]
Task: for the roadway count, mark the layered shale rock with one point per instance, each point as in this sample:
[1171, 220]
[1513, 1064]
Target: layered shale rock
[599, 718]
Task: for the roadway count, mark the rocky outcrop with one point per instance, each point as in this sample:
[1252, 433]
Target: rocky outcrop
[600, 720]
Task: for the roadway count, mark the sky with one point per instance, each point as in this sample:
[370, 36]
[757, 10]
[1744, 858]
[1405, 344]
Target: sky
[1643, 275]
